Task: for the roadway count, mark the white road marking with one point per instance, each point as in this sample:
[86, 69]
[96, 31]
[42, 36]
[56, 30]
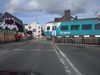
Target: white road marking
[43, 50]
[62, 61]
[66, 67]
[17, 49]
[33, 50]
[76, 70]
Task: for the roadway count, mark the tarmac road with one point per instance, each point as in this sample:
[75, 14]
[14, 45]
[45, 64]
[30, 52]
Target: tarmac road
[38, 56]
[85, 58]
[45, 58]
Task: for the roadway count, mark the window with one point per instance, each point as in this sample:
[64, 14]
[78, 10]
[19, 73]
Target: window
[38, 26]
[97, 26]
[86, 27]
[34, 30]
[64, 27]
[54, 28]
[74, 27]
[48, 28]
[38, 31]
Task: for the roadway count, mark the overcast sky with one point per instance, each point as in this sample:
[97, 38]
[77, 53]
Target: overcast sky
[46, 10]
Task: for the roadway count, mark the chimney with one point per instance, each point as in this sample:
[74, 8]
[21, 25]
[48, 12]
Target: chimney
[76, 17]
[67, 12]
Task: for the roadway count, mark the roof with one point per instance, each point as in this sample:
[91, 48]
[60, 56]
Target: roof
[51, 22]
[87, 19]
[78, 20]
[67, 16]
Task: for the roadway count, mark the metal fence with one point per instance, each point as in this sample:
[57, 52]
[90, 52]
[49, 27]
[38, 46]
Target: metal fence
[76, 40]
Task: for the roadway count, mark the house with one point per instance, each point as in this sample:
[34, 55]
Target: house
[67, 16]
[35, 28]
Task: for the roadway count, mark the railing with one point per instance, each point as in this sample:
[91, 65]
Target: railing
[77, 40]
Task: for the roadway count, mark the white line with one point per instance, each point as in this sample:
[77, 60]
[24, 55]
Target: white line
[43, 50]
[62, 61]
[16, 49]
[33, 50]
[73, 67]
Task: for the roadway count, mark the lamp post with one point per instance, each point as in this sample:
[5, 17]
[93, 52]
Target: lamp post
[36, 20]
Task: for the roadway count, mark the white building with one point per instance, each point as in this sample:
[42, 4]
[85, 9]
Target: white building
[35, 28]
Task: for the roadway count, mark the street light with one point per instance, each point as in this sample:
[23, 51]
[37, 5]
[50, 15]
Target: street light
[37, 15]
[36, 20]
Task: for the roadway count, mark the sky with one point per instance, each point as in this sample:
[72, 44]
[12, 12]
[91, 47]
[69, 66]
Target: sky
[43, 11]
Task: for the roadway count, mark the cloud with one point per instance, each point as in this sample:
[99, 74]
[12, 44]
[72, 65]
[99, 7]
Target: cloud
[53, 6]
[17, 6]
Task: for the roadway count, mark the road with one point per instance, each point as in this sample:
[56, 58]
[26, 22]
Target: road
[38, 56]
[45, 58]
[85, 58]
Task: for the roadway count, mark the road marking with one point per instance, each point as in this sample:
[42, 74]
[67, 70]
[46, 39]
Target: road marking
[17, 49]
[62, 58]
[33, 50]
[63, 62]
[43, 50]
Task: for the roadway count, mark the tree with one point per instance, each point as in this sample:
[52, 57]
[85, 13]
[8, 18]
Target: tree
[14, 29]
[1, 28]
[29, 27]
